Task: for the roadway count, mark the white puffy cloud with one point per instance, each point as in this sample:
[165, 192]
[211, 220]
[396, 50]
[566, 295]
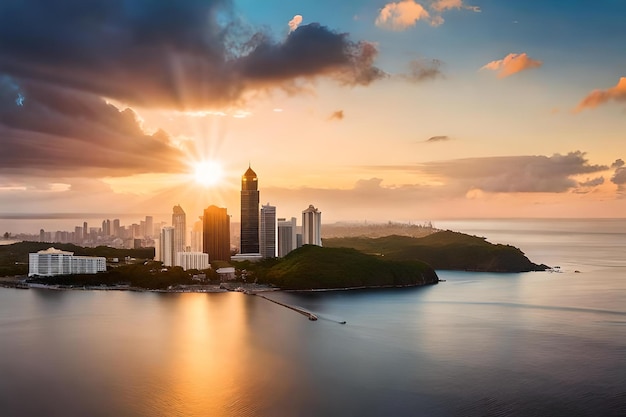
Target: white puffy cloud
[295, 22]
[401, 15]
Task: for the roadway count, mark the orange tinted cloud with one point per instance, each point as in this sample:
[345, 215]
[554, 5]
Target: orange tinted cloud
[442, 5]
[401, 15]
[336, 115]
[512, 64]
[295, 22]
[598, 97]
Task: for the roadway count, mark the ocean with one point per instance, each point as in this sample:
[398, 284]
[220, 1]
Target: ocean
[478, 344]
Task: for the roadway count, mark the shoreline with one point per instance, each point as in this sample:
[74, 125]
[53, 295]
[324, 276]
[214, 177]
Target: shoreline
[251, 289]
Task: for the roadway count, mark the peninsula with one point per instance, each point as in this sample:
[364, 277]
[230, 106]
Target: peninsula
[445, 250]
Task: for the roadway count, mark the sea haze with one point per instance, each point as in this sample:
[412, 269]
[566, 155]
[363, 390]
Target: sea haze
[544, 344]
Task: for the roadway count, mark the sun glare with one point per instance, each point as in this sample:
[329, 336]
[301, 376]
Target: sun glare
[207, 173]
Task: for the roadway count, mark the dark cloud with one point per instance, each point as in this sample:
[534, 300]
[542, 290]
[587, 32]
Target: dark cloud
[182, 54]
[308, 51]
[57, 131]
[618, 163]
[515, 174]
[438, 139]
[592, 182]
[423, 70]
[336, 115]
[508, 174]
[619, 177]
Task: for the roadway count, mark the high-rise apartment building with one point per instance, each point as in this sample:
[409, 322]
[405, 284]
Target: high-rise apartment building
[216, 233]
[196, 236]
[166, 247]
[287, 240]
[179, 223]
[312, 226]
[249, 213]
[116, 227]
[149, 226]
[106, 227]
[268, 231]
[78, 235]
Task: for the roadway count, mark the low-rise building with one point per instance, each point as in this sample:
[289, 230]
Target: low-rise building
[52, 261]
[192, 260]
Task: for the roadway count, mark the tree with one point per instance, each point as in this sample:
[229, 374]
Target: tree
[7, 235]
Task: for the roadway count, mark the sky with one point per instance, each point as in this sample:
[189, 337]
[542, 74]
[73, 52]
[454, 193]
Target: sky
[370, 110]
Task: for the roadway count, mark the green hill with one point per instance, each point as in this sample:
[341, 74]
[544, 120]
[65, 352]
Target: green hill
[314, 267]
[444, 250]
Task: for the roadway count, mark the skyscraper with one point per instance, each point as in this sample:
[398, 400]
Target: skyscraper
[287, 240]
[166, 243]
[149, 232]
[312, 226]
[249, 213]
[179, 223]
[216, 233]
[268, 231]
[196, 236]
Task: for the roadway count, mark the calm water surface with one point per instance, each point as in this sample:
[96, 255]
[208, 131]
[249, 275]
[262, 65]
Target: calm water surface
[539, 344]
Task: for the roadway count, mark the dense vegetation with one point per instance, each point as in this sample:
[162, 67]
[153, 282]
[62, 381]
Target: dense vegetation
[142, 273]
[311, 267]
[14, 257]
[444, 250]
[148, 275]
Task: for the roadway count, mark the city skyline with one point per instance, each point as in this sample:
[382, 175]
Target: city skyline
[374, 110]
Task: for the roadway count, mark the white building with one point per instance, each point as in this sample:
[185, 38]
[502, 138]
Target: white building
[192, 260]
[312, 226]
[287, 239]
[53, 261]
[166, 246]
[268, 231]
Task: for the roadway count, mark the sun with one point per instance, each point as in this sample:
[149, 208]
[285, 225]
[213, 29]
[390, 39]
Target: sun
[207, 173]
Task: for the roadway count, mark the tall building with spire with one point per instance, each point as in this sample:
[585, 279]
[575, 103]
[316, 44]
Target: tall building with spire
[179, 223]
[249, 213]
[268, 231]
[216, 233]
[312, 226]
